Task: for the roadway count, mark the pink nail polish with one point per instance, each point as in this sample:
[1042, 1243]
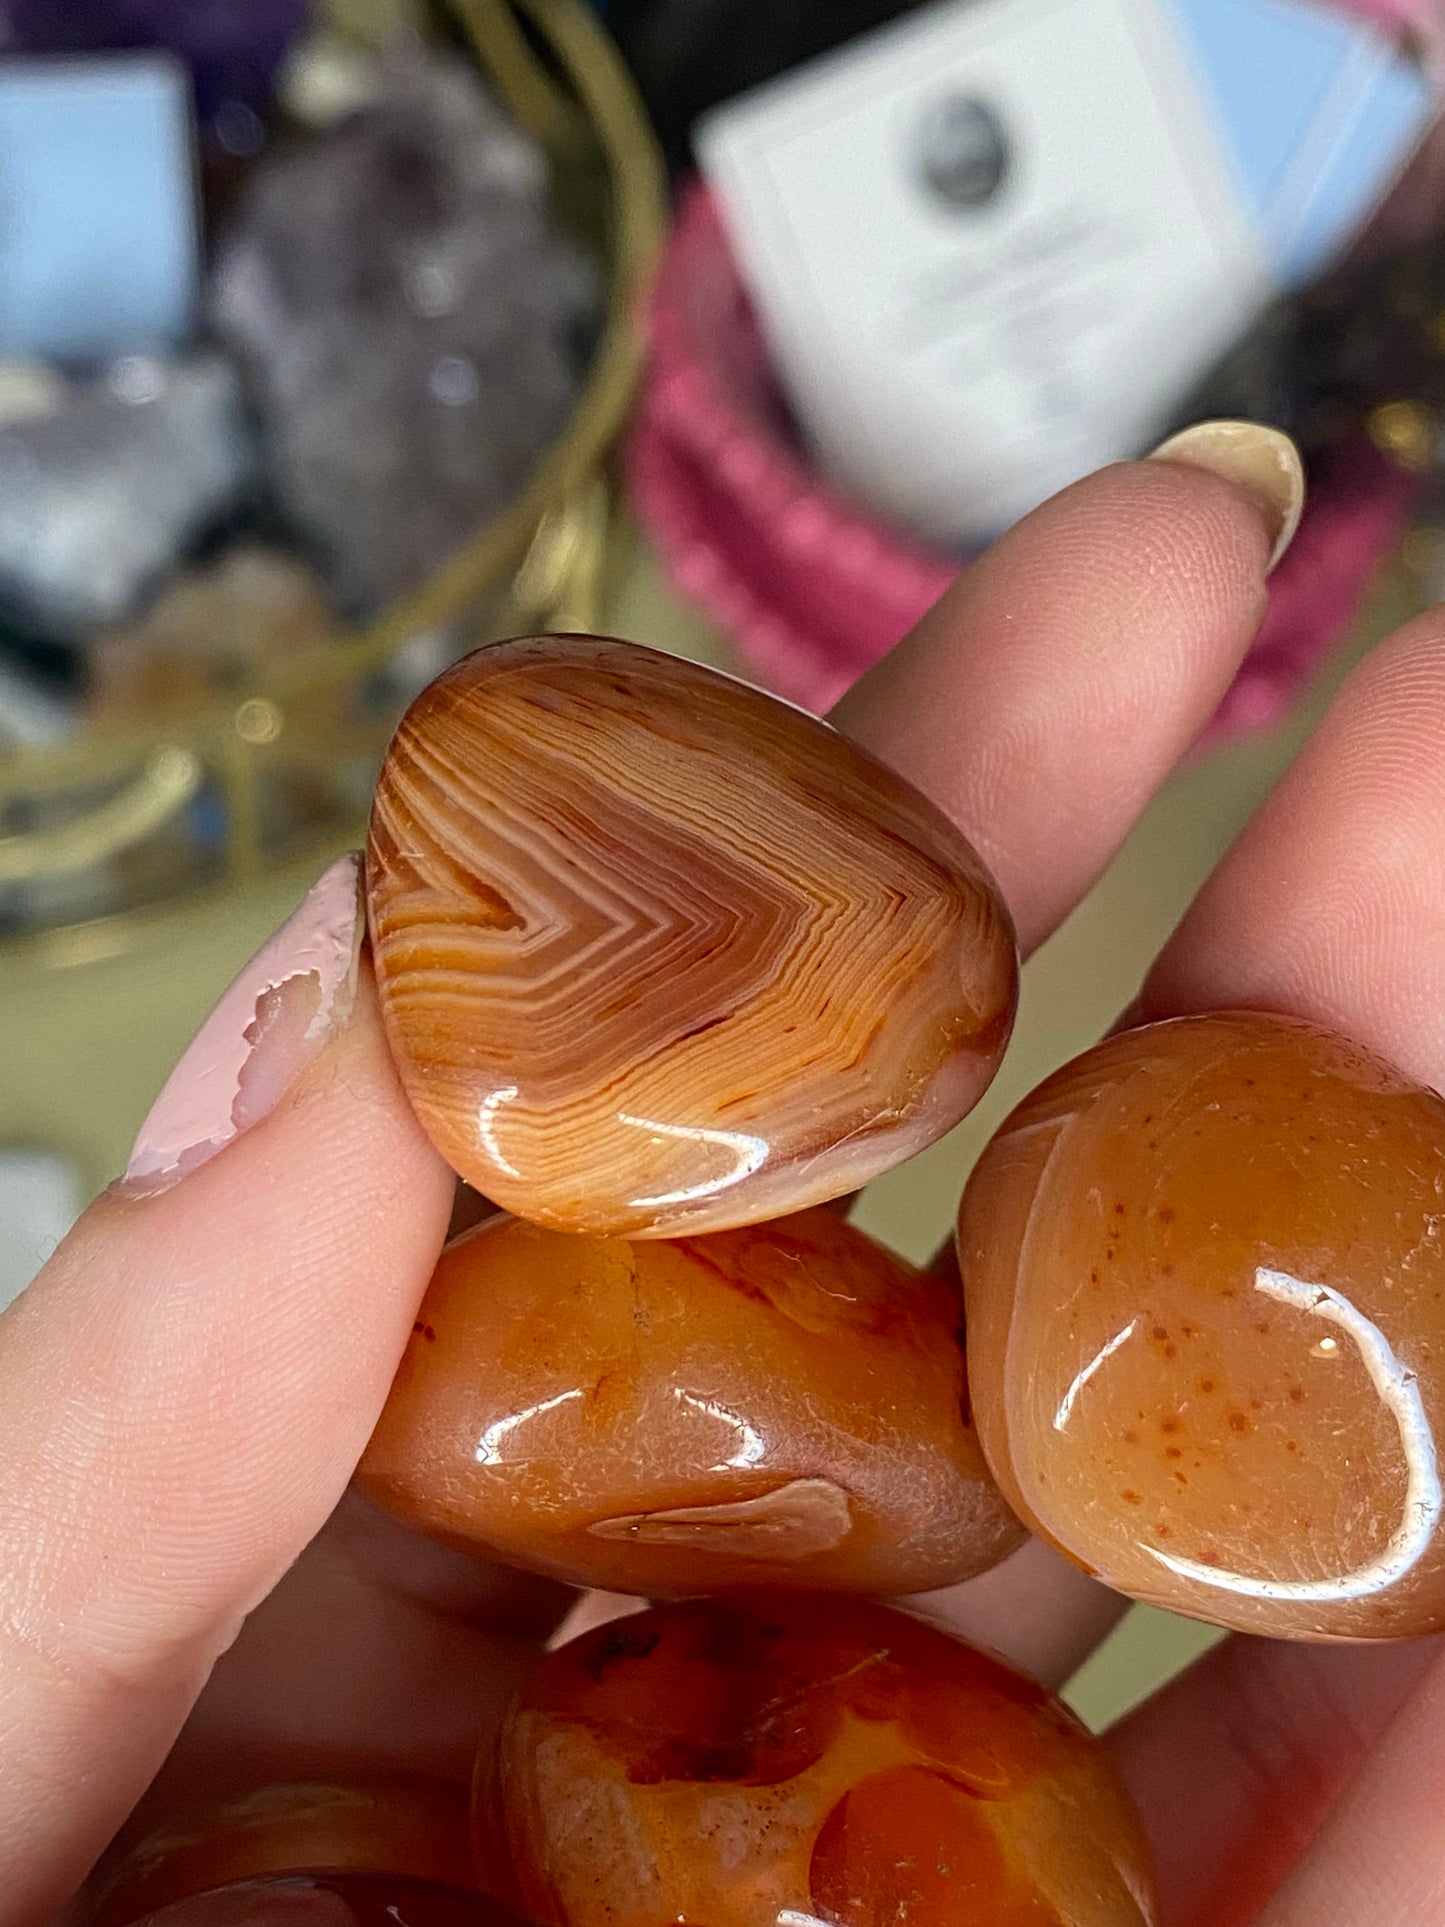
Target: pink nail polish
[294, 996]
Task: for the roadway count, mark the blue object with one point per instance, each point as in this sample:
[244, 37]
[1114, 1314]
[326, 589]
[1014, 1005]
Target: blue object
[98, 226]
[1318, 112]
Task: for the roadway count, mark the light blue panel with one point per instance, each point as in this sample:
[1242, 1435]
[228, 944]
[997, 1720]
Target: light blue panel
[98, 228]
[1267, 67]
[1288, 75]
[1373, 144]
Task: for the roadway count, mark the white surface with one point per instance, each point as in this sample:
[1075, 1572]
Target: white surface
[956, 364]
[40, 1198]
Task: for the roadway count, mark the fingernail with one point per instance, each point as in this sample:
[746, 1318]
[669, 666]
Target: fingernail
[290, 1001]
[1264, 464]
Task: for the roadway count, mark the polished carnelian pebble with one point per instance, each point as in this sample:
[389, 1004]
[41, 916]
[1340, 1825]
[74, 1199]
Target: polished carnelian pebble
[782, 1403]
[397, 1826]
[1205, 1280]
[658, 953]
[324, 1899]
[310, 1899]
[797, 1758]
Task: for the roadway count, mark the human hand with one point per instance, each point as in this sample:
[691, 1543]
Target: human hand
[186, 1387]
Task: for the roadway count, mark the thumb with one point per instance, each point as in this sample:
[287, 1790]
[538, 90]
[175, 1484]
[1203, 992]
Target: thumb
[186, 1387]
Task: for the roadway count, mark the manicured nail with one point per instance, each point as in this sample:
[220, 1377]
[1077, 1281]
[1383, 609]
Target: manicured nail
[1261, 462]
[290, 1001]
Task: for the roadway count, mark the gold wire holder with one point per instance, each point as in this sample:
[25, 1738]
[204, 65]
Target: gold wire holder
[542, 556]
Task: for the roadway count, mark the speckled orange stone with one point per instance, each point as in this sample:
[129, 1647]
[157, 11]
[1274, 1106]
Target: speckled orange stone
[784, 1402]
[802, 1758]
[1205, 1280]
[659, 953]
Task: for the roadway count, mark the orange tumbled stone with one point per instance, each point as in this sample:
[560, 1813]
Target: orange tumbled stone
[799, 1758]
[1205, 1279]
[657, 952]
[397, 1828]
[781, 1403]
[311, 1899]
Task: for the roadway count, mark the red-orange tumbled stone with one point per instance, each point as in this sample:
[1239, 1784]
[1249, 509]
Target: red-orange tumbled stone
[409, 1829]
[324, 1899]
[798, 1758]
[782, 1403]
[1205, 1279]
[657, 952]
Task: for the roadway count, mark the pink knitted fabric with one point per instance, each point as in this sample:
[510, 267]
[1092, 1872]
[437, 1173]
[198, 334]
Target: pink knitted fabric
[1399, 16]
[813, 589]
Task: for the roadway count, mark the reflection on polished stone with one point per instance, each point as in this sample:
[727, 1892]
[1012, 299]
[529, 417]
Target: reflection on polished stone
[657, 952]
[246, 1859]
[782, 1403]
[1205, 1280]
[325, 1899]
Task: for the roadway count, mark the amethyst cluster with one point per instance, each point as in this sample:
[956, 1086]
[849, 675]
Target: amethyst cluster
[411, 321]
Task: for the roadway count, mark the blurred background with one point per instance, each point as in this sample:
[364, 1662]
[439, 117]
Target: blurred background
[338, 336]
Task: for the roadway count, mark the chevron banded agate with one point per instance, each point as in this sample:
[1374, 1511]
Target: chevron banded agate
[657, 952]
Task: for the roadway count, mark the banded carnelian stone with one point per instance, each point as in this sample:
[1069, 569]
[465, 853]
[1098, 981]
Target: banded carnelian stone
[1205, 1279]
[658, 953]
[797, 1758]
[784, 1403]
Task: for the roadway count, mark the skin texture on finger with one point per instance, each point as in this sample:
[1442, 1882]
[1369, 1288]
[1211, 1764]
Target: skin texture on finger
[380, 1652]
[1054, 688]
[1379, 1861]
[1330, 906]
[183, 1394]
[1041, 704]
[1236, 1761]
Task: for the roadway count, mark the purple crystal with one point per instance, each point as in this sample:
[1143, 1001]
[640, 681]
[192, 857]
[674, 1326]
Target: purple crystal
[232, 47]
[409, 315]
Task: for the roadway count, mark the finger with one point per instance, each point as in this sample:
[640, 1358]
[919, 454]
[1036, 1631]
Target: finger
[1041, 704]
[1052, 690]
[1034, 1608]
[186, 1387]
[1236, 1762]
[379, 1653]
[1379, 1860]
[1330, 906]
[1332, 902]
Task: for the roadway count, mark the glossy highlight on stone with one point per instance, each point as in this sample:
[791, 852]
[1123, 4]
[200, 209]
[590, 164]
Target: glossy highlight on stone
[798, 1758]
[324, 1899]
[785, 1403]
[398, 1828]
[657, 952]
[1205, 1281]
